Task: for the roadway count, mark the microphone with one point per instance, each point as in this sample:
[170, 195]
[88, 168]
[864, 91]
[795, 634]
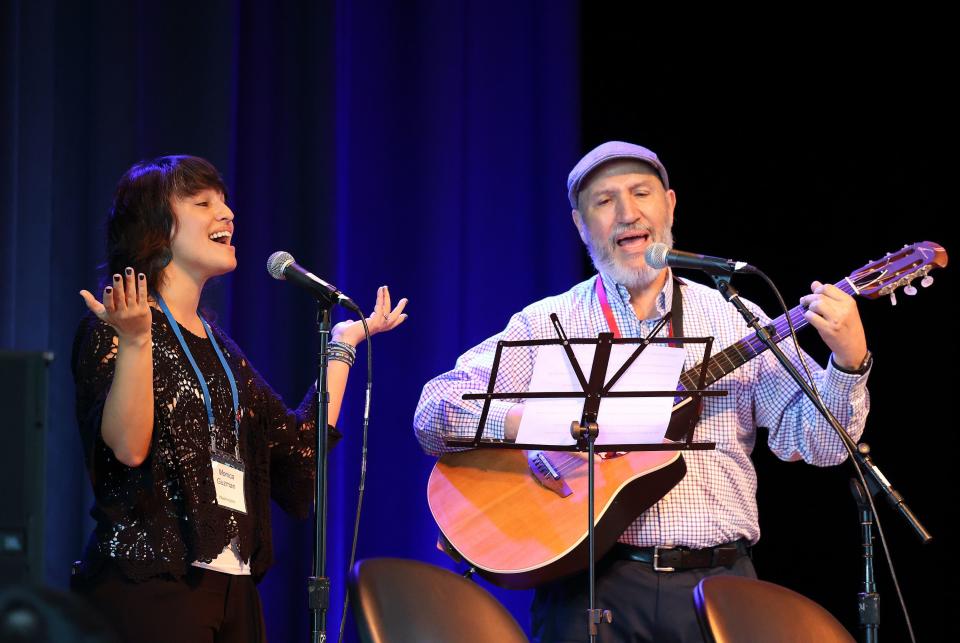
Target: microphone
[281, 265]
[660, 255]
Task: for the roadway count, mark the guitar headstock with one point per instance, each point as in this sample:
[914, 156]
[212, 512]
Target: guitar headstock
[883, 276]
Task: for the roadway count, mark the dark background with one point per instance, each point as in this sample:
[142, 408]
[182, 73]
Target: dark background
[426, 145]
[809, 156]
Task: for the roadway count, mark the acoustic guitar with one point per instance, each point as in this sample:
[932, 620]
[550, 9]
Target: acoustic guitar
[519, 517]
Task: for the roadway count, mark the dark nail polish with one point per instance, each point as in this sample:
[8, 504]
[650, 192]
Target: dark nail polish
[142, 276]
[129, 271]
[108, 289]
[116, 277]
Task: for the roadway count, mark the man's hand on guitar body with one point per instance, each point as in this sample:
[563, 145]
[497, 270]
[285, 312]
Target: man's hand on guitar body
[835, 316]
[511, 424]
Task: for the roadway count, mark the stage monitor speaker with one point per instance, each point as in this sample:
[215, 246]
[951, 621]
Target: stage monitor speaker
[31, 614]
[23, 416]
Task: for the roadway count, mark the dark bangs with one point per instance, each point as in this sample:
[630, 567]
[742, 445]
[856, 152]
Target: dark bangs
[190, 174]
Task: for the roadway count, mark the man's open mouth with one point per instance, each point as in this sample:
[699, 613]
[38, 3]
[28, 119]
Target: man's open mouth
[630, 238]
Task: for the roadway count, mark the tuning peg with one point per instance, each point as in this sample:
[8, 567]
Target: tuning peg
[893, 299]
[927, 281]
[910, 290]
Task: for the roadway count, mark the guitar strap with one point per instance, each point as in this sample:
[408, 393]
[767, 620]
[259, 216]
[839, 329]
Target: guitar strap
[676, 309]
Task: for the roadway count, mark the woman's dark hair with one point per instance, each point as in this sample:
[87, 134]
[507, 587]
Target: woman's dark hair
[141, 220]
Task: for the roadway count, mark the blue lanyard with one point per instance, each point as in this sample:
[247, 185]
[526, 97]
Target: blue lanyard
[203, 383]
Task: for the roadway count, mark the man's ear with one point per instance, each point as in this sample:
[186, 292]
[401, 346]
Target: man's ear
[581, 226]
[671, 205]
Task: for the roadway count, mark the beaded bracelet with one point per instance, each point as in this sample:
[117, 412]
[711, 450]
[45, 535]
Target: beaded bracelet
[341, 352]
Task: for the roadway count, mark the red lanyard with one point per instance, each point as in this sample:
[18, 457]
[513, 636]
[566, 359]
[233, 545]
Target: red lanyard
[608, 311]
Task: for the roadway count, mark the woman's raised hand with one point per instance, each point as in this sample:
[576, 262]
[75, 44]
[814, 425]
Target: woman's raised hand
[124, 306]
[383, 318]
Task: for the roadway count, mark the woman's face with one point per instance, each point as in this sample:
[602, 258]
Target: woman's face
[201, 242]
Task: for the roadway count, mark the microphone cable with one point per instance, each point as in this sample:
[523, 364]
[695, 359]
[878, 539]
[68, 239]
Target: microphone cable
[363, 471]
[850, 455]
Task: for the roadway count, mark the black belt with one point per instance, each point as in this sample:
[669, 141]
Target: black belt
[670, 559]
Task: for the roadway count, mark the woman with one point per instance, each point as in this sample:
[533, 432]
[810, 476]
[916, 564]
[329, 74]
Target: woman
[185, 443]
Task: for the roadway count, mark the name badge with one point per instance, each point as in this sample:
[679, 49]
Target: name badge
[228, 481]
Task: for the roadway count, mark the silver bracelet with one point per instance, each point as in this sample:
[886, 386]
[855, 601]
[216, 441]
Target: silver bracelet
[341, 352]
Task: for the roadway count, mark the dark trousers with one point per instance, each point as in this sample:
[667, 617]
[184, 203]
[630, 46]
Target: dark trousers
[204, 607]
[646, 605]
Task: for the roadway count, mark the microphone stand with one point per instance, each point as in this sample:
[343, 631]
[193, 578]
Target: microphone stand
[587, 432]
[859, 455]
[868, 600]
[876, 482]
[318, 585]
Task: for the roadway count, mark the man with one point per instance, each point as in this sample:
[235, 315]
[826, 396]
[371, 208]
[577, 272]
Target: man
[622, 202]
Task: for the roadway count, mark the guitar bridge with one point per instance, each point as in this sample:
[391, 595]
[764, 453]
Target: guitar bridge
[544, 472]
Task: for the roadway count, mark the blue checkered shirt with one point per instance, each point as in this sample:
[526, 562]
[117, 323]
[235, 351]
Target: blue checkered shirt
[715, 502]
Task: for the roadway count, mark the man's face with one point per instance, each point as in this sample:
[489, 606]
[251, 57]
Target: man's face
[622, 209]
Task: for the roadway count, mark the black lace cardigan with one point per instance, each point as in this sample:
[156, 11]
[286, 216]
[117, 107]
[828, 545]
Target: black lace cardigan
[159, 517]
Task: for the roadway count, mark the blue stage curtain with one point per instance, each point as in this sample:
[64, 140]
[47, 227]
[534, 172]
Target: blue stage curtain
[421, 145]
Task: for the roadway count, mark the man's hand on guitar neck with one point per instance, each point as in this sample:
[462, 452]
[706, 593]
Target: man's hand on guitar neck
[835, 316]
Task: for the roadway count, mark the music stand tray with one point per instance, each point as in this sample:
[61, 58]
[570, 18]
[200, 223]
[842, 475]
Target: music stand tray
[594, 391]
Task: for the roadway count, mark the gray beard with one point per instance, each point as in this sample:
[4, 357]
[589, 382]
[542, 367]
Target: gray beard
[603, 260]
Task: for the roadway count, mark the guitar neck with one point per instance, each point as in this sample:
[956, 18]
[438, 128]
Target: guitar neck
[741, 352]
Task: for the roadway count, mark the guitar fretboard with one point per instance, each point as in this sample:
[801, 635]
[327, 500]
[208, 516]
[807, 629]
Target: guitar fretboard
[741, 352]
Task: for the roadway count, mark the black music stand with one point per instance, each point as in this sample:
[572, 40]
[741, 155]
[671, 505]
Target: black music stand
[586, 430]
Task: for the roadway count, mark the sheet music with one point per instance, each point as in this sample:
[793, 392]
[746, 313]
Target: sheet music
[636, 420]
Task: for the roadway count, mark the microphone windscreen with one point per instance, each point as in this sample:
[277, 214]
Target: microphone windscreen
[656, 255]
[277, 263]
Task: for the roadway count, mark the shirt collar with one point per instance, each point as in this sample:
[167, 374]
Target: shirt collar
[664, 299]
